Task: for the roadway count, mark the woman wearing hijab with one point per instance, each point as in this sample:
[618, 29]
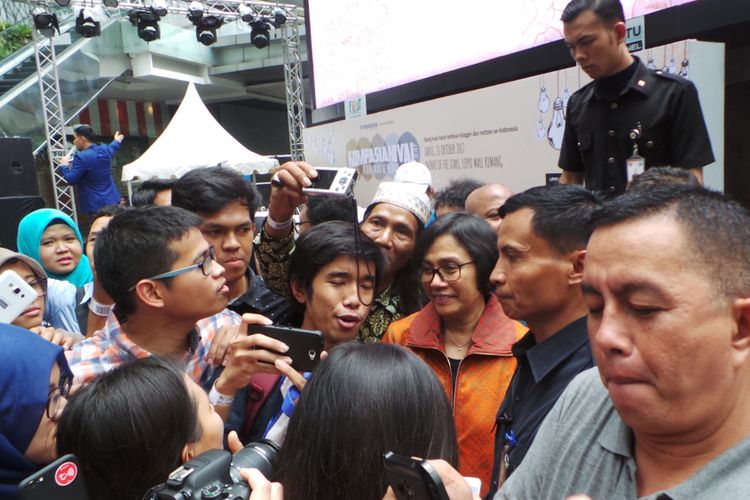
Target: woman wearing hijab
[34, 385]
[52, 238]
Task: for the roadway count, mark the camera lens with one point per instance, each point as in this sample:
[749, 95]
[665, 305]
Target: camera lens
[261, 455]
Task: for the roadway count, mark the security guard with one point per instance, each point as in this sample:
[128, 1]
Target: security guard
[630, 117]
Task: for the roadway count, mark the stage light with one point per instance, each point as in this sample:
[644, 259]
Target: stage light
[159, 7]
[260, 35]
[195, 11]
[147, 22]
[45, 21]
[279, 17]
[88, 22]
[247, 14]
[62, 3]
[205, 29]
[111, 3]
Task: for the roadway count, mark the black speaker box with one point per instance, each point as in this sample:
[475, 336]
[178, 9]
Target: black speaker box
[17, 170]
[13, 209]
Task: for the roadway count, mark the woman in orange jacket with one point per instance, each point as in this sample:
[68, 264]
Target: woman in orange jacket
[463, 333]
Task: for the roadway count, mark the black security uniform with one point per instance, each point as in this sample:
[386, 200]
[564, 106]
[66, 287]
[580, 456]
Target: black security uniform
[601, 114]
[544, 371]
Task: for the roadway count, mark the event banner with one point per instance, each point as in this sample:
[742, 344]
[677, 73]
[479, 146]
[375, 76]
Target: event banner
[509, 133]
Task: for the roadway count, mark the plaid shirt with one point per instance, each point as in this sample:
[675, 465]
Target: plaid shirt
[110, 347]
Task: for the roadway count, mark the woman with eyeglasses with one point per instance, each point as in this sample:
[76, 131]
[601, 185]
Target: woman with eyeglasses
[34, 385]
[32, 318]
[463, 333]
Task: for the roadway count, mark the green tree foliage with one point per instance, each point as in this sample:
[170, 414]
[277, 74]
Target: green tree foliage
[13, 37]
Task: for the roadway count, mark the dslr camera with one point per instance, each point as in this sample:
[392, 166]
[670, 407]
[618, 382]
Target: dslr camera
[215, 474]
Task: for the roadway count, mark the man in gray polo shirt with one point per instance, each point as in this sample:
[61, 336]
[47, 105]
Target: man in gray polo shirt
[666, 413]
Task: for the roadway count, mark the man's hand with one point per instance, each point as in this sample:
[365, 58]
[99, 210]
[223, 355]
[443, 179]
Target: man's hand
[286, 193]
[65, 161]
[247, 356]
[56, 336]
[227, 333]
[119, 137]
[262, 488]
[455, 485]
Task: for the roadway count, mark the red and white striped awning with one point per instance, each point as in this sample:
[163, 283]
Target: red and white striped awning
[132, 118]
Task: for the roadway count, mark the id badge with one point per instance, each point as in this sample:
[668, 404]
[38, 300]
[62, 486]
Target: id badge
[636, 166]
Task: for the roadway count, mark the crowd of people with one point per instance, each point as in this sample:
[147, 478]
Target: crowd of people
[555, 342]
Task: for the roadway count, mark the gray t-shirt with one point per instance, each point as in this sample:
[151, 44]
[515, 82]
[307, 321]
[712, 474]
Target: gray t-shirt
[584, 447]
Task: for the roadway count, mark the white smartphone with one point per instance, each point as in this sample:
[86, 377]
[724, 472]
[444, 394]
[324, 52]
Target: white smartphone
[15, 296]
[333, 182]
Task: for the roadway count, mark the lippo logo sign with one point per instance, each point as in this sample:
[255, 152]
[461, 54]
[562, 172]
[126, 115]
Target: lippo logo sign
[381, 157]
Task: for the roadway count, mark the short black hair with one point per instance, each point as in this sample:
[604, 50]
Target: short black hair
[135, 245]
[717, 229]
[364, 400]
[322, 244]
[109, 211]
[454, 195]
[128, 427]
[86, 132]
[147, 191]
[657, 176]
[209, 189]
[608, 11]
[474, 234]
[562, 213]
[324, 209]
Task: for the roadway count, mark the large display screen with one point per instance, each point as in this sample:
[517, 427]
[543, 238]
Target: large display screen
[363, 46]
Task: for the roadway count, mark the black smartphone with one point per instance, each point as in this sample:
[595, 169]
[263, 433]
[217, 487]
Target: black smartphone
[305, 346]
[413, 479]
[61, 480]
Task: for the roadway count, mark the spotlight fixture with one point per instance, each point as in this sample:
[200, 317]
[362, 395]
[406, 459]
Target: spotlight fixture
[205, 29]
[260, 35]
[62, 3]
[247, 14]
[279, 17]
[147, 22]
[45, 22]
[159, 7]
[195, 11]
[88, 22]
[109, 3]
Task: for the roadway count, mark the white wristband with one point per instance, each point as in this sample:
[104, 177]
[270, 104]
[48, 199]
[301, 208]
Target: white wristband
[217, 398]
[98, 308]
[278, 225]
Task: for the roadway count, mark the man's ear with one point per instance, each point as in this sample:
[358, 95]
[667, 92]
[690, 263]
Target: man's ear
[577, 258]
[298, 292]
[150, 293]
[741, 337]
[621, 31]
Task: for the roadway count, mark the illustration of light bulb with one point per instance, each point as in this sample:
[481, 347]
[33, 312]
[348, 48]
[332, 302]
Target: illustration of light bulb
[540, 128]
[672, 67]
[543, 100]
[684, 68]
[557, 126]
[565, 96]
[651, 64]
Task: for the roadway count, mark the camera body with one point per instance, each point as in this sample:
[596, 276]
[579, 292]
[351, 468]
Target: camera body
[214, 474]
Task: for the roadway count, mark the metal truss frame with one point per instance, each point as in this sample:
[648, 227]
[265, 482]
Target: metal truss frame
[49, 83]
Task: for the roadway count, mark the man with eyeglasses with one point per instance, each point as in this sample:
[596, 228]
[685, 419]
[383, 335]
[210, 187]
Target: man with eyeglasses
[170, 297]
[542, 247]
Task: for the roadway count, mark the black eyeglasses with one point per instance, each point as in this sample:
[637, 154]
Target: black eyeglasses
[39, 286]
[205, 265]
[449, 273]
[55, 398]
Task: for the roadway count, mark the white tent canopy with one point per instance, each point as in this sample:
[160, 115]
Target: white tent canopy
[194, 139]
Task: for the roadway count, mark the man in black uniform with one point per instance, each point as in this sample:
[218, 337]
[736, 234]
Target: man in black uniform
[627, 106]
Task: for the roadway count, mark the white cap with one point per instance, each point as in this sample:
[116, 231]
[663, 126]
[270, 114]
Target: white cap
[405, 195]
[413, 172]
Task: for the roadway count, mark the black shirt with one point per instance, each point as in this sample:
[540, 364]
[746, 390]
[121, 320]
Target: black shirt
[259, 299]
[543, 372]
[596, 141]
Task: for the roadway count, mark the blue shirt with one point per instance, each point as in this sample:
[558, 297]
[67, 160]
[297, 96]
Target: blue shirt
[92, 173]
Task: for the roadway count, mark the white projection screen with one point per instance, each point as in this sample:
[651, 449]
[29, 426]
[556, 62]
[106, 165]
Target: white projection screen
[362, 46]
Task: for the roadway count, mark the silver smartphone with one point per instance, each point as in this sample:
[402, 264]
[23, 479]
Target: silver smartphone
[15, 296]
